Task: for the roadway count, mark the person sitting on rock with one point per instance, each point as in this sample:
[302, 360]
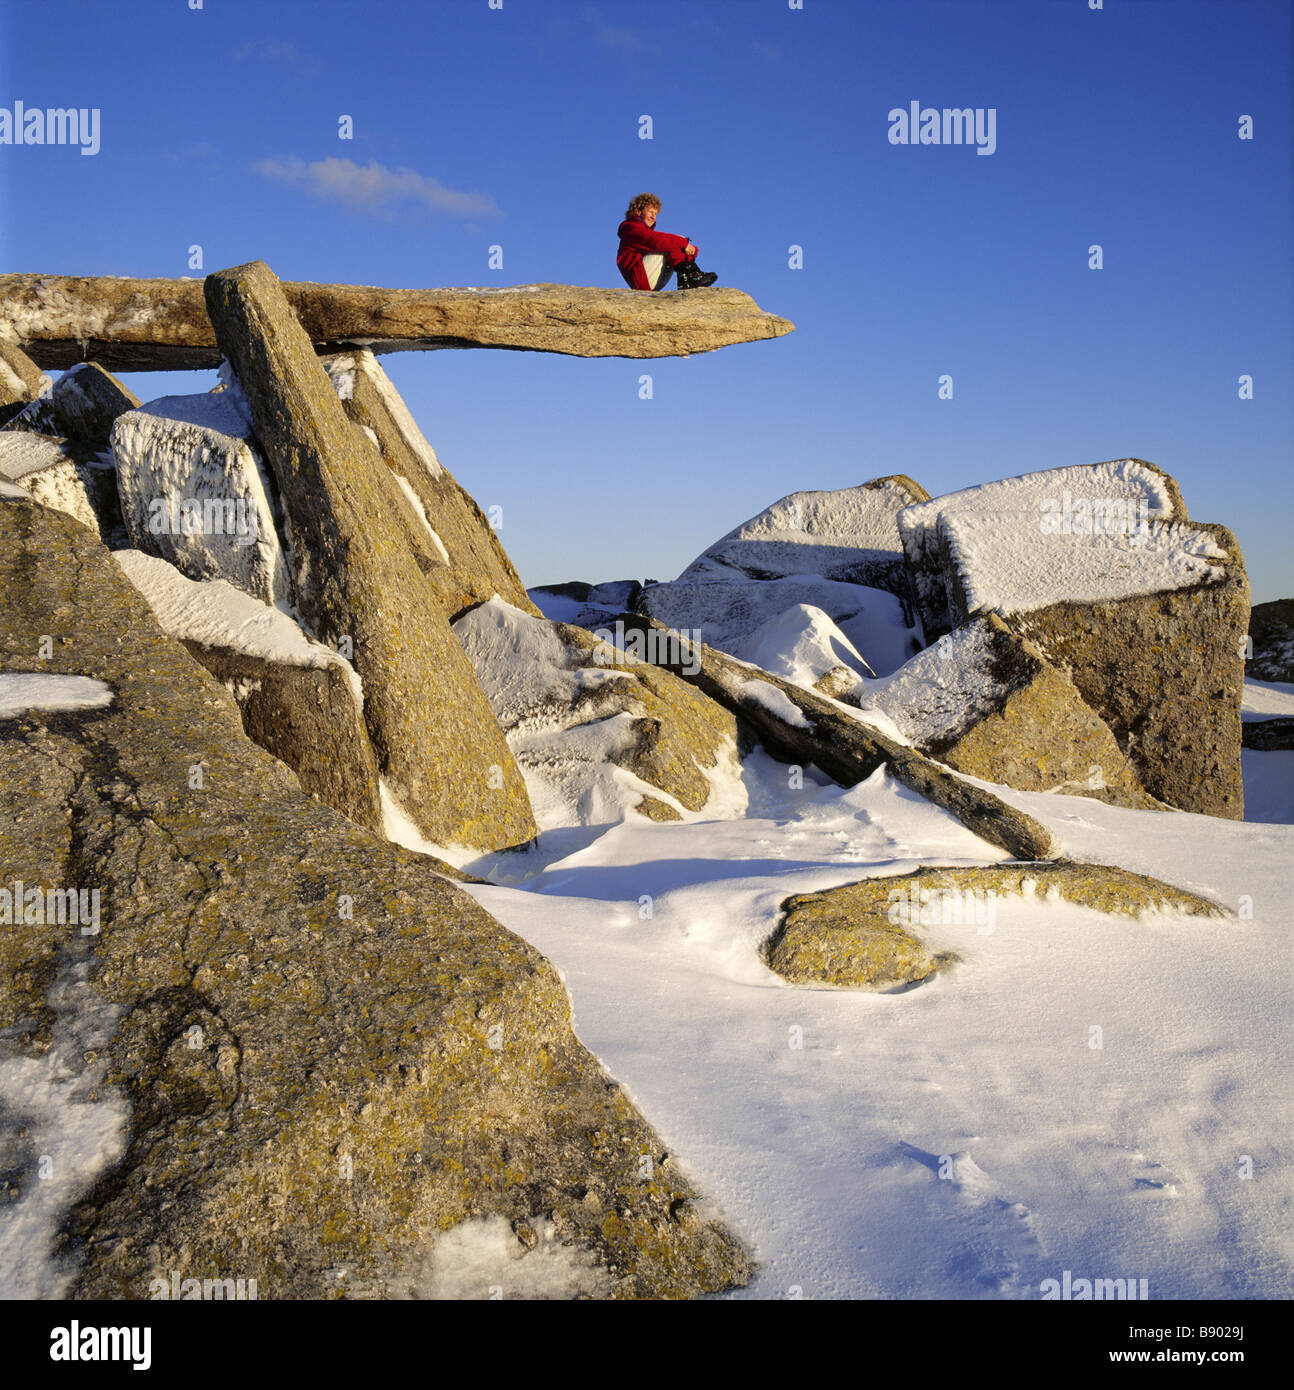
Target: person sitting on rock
[647, 257]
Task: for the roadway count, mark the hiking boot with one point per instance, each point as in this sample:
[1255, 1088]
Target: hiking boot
[691, 277]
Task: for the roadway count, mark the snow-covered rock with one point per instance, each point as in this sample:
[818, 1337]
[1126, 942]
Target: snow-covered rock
[81, 406]
[597, 732]
[195, 491]
[68, 477]
[1143, 609]
[835, 551]
[987, 703]
[1087, 532]
[804, 646]
[298, 699]
[849, 534]
[728, 614]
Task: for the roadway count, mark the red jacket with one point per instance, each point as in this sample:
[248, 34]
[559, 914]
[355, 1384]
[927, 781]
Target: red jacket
[637, 239]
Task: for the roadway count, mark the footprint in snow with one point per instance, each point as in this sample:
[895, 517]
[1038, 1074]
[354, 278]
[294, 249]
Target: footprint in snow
[993, 1245]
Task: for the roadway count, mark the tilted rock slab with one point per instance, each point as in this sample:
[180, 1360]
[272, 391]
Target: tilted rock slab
[1147, 616]
[331, 1055]
[860, 934]
[298, 699]
[161, 325]
[575, 708]
[796, 725]
[195, 491]
[360, 562]
[82, 405]
[469, 565]
[987, 703]
[21, 380]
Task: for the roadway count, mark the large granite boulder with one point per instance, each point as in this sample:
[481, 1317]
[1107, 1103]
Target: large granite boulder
[154, 325]
[21, 380]
[598, 732]
[1144, 610]
[196, 492]
[302, 1055]
[471, 566]
[67, 476]
[800, 726]
[360, 563]
[1271, 630]
[864, 935]
[989, 704]
[298, 699]
[82, 405]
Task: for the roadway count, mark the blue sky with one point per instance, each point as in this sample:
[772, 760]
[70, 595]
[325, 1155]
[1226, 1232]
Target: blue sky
[519, 127]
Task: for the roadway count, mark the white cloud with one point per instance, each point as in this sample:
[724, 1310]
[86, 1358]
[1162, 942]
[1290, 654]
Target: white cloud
[272, 51]
[373, 187]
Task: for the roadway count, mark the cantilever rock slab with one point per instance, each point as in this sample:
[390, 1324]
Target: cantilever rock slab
[130, 325]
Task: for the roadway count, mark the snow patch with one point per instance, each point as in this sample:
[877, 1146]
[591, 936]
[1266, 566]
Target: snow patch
[23, 691]
[777, 702]
[416, 503]
[482, 1258]
[70, 1137]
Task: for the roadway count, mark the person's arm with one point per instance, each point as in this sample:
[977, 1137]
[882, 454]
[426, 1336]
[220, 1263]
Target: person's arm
[644, 238]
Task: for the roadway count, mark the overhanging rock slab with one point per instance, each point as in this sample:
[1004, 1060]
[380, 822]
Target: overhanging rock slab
[132, 325]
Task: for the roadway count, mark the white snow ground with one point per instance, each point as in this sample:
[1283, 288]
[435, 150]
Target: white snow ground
[1082, 1092]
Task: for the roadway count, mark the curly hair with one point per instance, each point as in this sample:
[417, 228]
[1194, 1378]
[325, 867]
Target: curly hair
[640, 204]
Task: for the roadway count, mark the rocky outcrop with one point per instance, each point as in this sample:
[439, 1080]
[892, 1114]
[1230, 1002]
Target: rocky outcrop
[317, 1055]
[797, 725]
[1271, 630]
[150, 325]
[603, 732]
[360, 565]
[195, 491]
[1143, 610]
[81, 406]
[21, 380]
[862, 934]
[473, 565]
[987, 703]
[66, 476]
[298, 699]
